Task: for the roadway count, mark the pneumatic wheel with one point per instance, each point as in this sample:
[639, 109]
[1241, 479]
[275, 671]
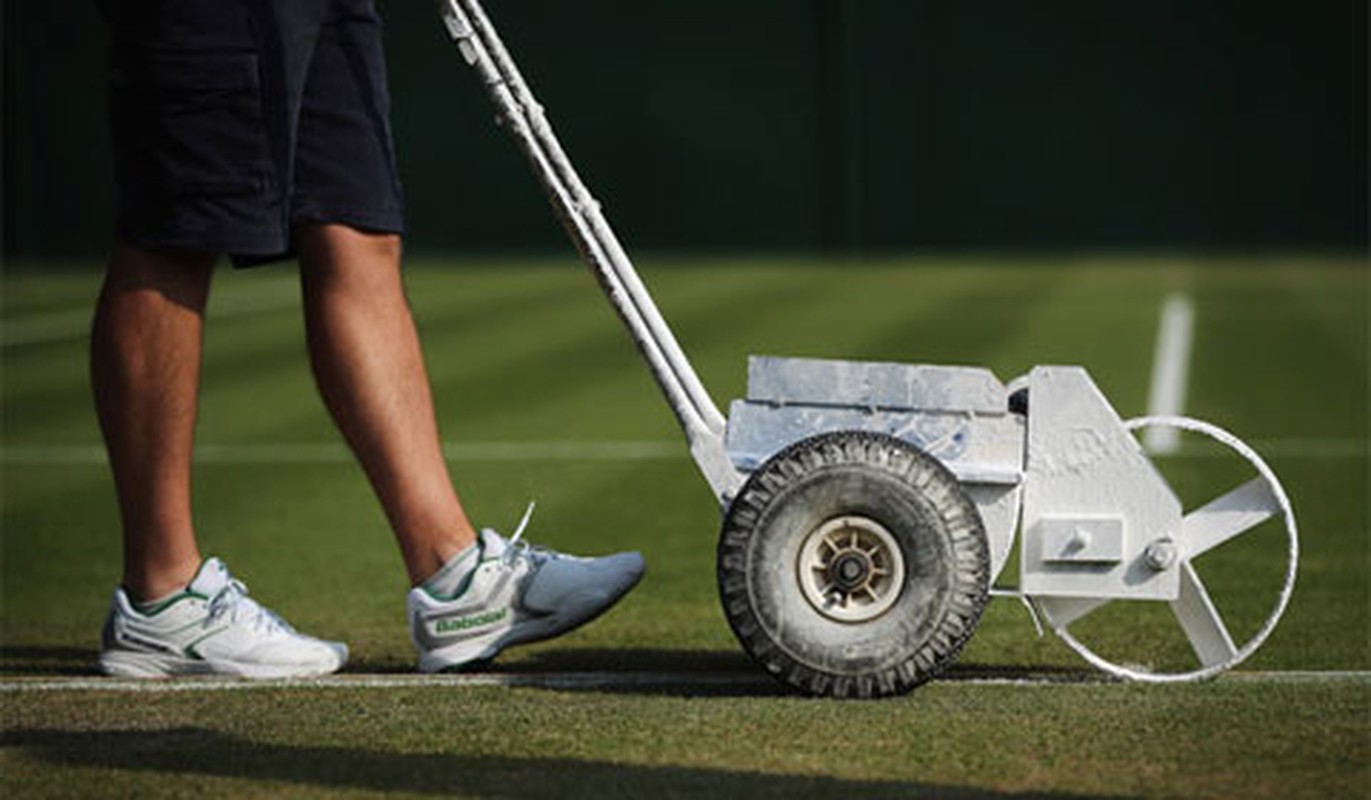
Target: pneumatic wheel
[852, 564]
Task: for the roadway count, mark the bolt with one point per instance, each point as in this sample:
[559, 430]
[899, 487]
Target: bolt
[1161, 554]
[850, 570]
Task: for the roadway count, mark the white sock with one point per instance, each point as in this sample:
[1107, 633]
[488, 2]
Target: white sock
[451, 579]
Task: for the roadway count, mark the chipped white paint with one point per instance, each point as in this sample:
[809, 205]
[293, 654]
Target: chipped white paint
[1086, 471]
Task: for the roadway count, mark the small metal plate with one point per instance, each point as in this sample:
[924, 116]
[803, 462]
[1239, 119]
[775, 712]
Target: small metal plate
[1081, 540]
[874, 385]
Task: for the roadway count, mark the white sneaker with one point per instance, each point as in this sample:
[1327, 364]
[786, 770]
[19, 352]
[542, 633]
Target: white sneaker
[517, 594]
[211, 628]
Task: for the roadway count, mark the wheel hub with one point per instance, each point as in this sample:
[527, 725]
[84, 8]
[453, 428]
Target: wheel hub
[850, 569]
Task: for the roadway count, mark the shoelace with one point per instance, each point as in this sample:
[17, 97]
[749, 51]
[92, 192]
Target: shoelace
[514, 548]
[233, 601]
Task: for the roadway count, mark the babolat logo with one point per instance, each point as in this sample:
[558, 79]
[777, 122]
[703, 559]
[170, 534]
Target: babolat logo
[467, 623]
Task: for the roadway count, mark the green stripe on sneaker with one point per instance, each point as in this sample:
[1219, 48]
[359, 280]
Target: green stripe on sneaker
[190, 648]
[156, 607]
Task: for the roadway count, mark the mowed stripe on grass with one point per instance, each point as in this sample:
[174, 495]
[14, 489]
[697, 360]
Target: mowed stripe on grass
[946, 740]
[530, 367]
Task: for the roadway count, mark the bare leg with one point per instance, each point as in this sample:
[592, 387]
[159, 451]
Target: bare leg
[145, 371]
[370, 370]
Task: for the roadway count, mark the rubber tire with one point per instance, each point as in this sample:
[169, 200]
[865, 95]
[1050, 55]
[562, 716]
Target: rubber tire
[914, 497]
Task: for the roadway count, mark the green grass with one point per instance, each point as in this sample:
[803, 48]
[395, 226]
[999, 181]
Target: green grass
[527, 352]
[946, 740]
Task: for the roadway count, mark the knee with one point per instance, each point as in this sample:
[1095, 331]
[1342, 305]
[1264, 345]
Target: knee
[386, 246]
[181, 276]
[345, 257]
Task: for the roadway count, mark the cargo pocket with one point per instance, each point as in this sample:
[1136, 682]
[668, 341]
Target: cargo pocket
[190, 124]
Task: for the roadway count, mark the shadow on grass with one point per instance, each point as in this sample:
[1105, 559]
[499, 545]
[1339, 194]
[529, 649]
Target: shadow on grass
[699, 673]
[645, 671]
[602, 659]
[182, 752]
[39, 660]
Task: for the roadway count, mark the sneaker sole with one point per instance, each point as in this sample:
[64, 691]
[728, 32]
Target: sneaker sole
[151, 666]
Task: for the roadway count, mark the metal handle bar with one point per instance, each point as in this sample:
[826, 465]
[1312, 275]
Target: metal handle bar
[583, 220]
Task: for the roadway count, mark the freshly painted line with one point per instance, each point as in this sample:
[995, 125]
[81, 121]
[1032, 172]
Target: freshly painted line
[335, 453]
[548, 680]
[1170, 371]
[585, 681]
[1312, 447]
[54, 327]
[642, 450]
[74, 324]
[561, 450]
[1299, 676]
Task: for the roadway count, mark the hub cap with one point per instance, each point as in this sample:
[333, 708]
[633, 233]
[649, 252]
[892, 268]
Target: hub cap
[850, 569]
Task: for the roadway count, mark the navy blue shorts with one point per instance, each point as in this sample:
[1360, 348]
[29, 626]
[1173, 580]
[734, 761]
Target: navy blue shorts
[235, 120]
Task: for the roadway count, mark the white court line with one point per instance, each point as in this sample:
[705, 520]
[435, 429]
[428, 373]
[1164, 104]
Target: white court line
[1332, 447]
[548, 680]
[583, 681]
[1170, 372]
[74, 324]
[337, 452]
[1307, 447]
[53, 327]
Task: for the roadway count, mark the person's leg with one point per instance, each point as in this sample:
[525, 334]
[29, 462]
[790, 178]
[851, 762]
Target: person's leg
[194, 106]
[370, 370]
[175, 613]
[470, 600]
[145, 371]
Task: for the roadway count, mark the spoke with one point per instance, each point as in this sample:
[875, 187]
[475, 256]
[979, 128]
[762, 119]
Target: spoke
[1201, 622]
[1062, 611]
[1225, 517]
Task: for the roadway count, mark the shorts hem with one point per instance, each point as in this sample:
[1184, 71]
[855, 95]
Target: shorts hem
[218, 245]
[368, 220]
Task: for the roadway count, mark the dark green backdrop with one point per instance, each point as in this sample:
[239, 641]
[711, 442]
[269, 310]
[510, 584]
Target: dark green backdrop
[816, 124]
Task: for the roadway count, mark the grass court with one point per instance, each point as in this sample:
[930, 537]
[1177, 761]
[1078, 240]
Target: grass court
[541, 396]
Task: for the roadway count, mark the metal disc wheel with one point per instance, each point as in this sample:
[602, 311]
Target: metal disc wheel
[1245, 544]
[852, 564]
